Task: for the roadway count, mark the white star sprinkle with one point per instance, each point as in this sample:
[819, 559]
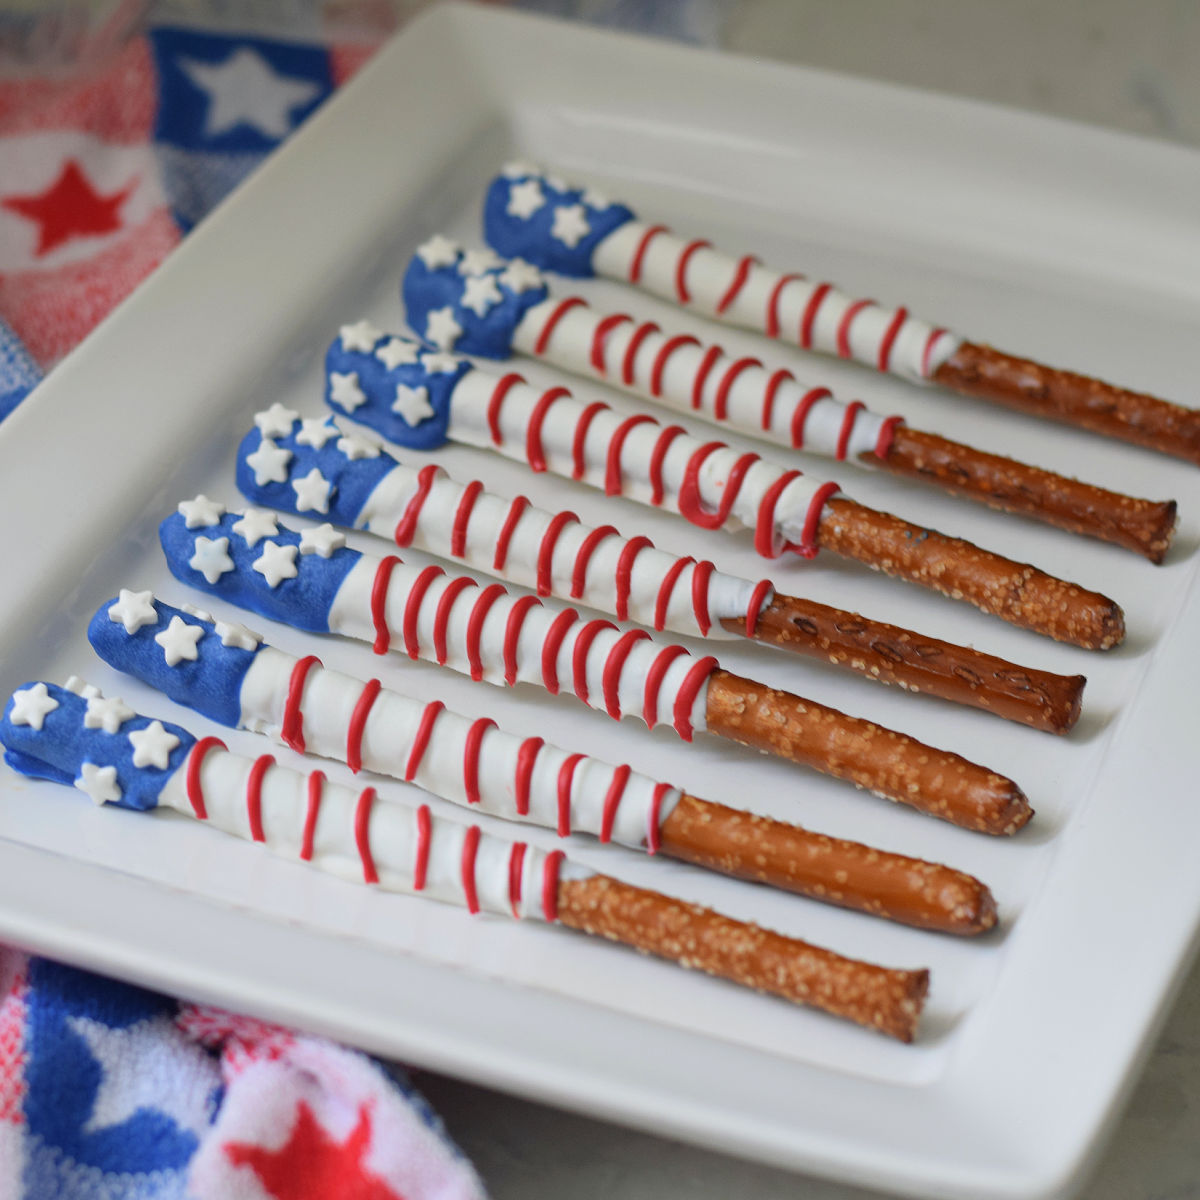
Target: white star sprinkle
[595, 199]
[276, 421]
[438, 252]
[201, 614]
[236, 636]
[316, 433]
[276, 563]
[355, 447]
[269, 463]
[312, 492]
[179, 640]
[475, 262]
[362, 335]
[556, 182]
[201, 511]
[441, 364]
[31, 706]
[570, 225]
[257, 523]
[480, 293]
[211, 558]
[397, 352]
[344, 390]
[412, 404]
[524, 199]
[152, 746]
[520, 276]
[81, 688]
[442, 329]
[108, 715]
[98, 783]
[133, 610]
[322, 541]
[518, 169]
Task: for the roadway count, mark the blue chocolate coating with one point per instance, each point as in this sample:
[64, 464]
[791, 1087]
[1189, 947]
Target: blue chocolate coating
[212, 684]
[60, 748]
[530, 238]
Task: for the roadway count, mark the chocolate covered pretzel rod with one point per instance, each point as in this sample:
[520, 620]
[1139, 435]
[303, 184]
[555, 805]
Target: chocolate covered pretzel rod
[421, 399]
[315, 582]
[239, 681]
[115, 756]
[680, 371]
[303, 466]
[578, 232]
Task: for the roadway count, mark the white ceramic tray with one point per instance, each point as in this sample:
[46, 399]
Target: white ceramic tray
[1064, 243]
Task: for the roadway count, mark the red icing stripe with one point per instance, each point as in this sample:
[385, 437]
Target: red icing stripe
[843, 331]
[843, 442]
[654, 817]
[639, 255]
[654, 678]
[640, 334]
[554, 640]
[421, 740]
[516, 864]
[762, 589]
[690, 504]
[887, 433]
[657, 457]
[601, 336]
[545, 558]
[693, 681]
[738, 282]
[930, 342]
[566, 775]
[479, 612]
[579, 439]
[515, 509]
[501, 390]
[624, 574]
[526, 758]
[768, 408]
[362, 834]
[773, 303]
[412, 606]
[512, 635]
[612, 801]
[292, 726]
[462, 518]
[681, 266]
[889, 338]
[379, 589]
[470, 848]
[702, 372]
[358, 722]
[809, 317]
[534, 451]
[612, 460]
[406, 527]
[195, 791]
[579, 652]
[807, 547]
[563, 307]
[701, 575]
[614, 664]
[660, 359]
[721, 403]
[584, 556]
[471, 757]
[765, 542]
[424, 837]
[254, 795]
[800, 416]
[662, 603]
[441, 617]
[550, 870]
[316, 782]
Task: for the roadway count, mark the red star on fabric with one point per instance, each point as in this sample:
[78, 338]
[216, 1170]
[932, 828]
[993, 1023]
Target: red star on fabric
[70, 207]
[311, 1166]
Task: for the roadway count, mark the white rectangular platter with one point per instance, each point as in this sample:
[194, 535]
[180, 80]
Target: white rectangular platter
[1073, 246]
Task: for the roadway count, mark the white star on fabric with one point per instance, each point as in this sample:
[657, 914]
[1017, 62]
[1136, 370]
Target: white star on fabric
[397, 352]
[312, 492]
[594, 199]
[438, 252]
[475, 262]
[108, 715]
[133, 610]
[441, 364]
[257, 523]
[344, 390]
[518, 169]
[211, 558]
[276, 421]
[362, 335]
[244, 90]
[236, 636]
[442, 329]
[181, 1084]
[269, 463]
[316, 433]
[570, 225]
[201, 511]
[355, 447]
[520, 276]
[524, 199]
[480, 293]
[412, 404]
[98, 783]
[276, 563]
[323, 540]
[152, 746]
[179, 640]
[31, 706]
